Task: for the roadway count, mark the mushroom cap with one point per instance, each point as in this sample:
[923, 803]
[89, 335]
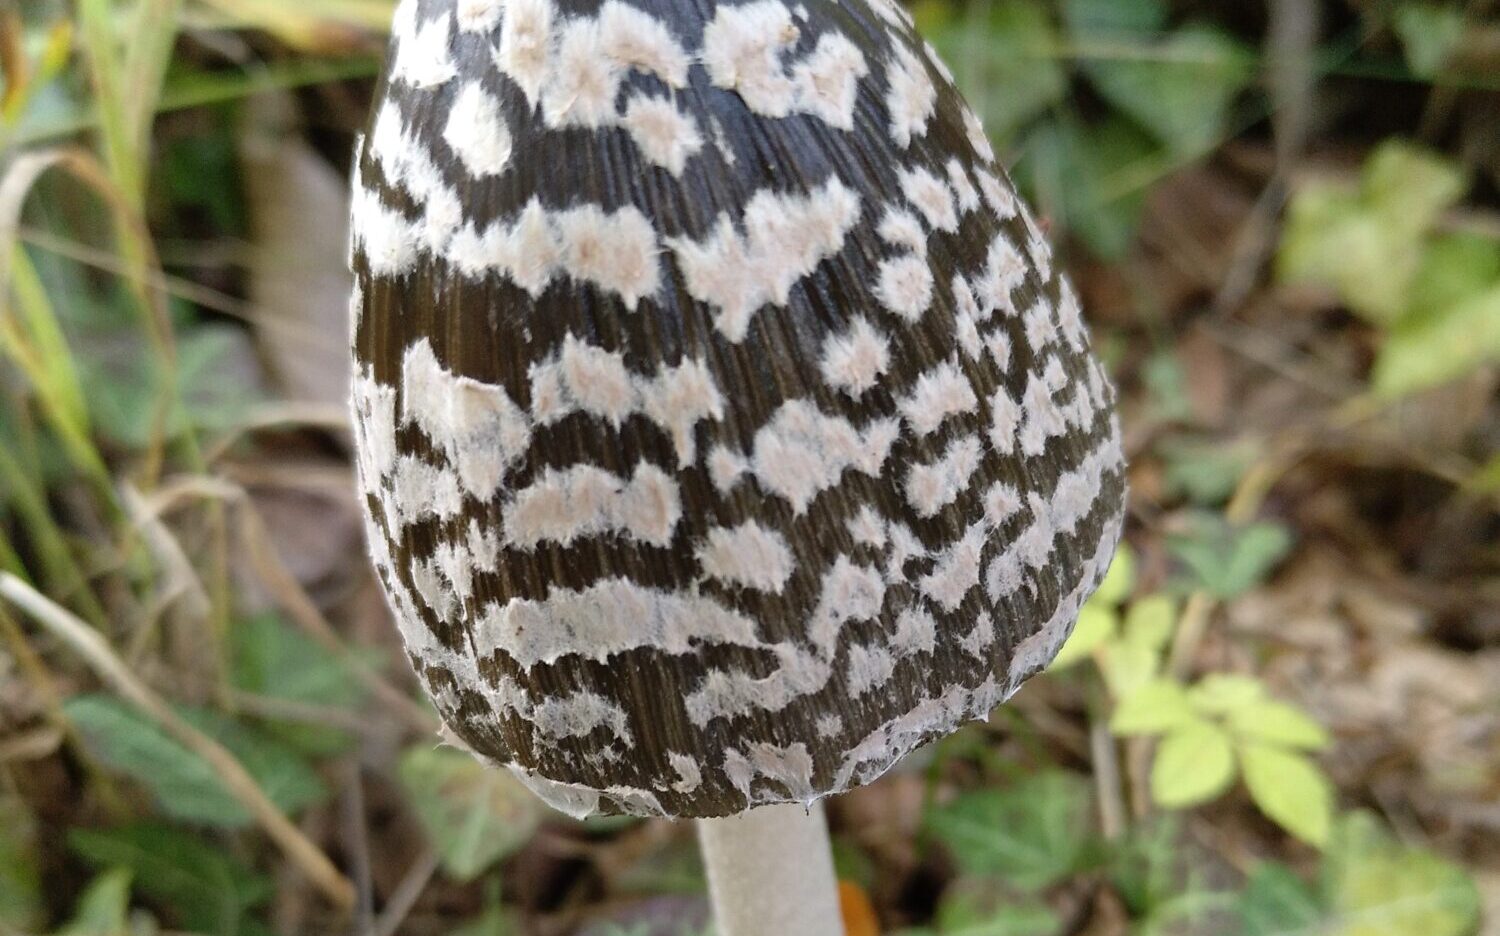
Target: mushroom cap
[725, 429]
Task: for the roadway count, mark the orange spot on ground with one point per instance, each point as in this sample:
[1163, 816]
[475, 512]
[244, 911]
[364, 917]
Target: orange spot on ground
[858, 912]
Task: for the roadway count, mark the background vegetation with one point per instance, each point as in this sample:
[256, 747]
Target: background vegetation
[1281, 715]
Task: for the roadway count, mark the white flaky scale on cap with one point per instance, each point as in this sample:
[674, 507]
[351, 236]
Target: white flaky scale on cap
[724, 428]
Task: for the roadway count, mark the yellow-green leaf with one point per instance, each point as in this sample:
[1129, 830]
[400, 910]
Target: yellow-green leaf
[1222, 693]
[1378, 887]
[1096, 624]
[1290, 789]
[1276, 722]
[1159, 706]
[1194, 764]
[1119, 580]
[1127, 666]
[1150, 621]
[1440, 348]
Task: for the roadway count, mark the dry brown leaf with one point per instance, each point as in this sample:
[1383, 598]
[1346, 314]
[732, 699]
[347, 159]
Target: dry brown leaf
[299, 210]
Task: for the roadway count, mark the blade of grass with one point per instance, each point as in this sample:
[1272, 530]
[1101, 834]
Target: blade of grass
[203, 90]
[153, 35]
[58, 372]
[328, 24]
[97, 32]
[60, 570]
[150, 304]
[16, 186]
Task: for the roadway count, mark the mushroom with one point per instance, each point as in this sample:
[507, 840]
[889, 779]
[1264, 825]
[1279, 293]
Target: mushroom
[725, 429]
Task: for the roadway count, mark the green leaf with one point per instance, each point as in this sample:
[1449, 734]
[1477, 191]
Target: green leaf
[1228, 561]
[1032, 834]
[1005, 61]
[1166, 378]
[1440, 348]
[214, 384]
[209, 891]
[182, 782]
[1290, 789]
[1222, 693]
[1369, 244]
[473, 815]
[1127, 666]
[282, 773]
[1146, 865]
[1411, 186]
[21, 905]
[1150, 622]
[1114, 19]
[1194, 764]
[1455, 267]
[1278, 903]
[985, 909]
[1205, 472]
[1377, 887]
[104, 908]
[1179, 88]
[1096, 624]
[1430, 32]
[1119, 580]
[1090, 178]
[1157, 707]
[274, 659]
[1276, 722]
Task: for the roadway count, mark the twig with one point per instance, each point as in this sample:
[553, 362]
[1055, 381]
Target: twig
[32, 746]
[1106, 763]
[303, 713]
[113, 672]
[406, 894]
[357, 841]
[174, 286]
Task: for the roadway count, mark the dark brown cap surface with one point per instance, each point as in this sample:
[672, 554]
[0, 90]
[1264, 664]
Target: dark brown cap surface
[726, 430]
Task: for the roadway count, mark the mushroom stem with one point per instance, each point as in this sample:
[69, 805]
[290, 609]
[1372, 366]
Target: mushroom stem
[770, 870]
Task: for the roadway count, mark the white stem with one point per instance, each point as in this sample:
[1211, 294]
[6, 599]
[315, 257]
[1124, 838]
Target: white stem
[770, 873]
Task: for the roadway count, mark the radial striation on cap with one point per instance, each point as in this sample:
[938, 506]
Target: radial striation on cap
[725, 429]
